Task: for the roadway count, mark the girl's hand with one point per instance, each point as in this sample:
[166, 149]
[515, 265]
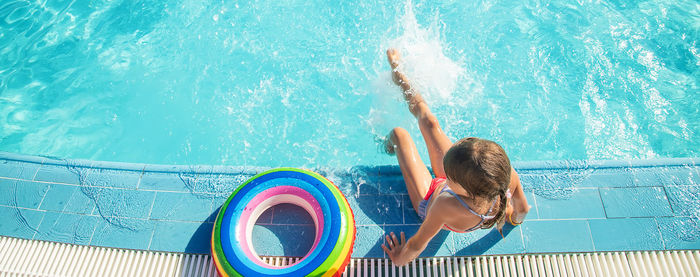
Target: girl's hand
[395, 249]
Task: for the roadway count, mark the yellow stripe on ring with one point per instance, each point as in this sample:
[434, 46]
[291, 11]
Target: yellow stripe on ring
[215, 258]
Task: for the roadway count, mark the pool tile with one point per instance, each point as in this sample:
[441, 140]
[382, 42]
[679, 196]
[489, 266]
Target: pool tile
[69, 228]
[219, 184]
[556, 236]
[283, 240]
[181, 206]
[391, 207]
[20, 170]
[123, 203]
[647, 178]
[126, 233]
[18, 222]
[685, 200]
[57, 174]
[625, 234]
[529, 181]
[31, 194]
[162, 181]
[67, 198]
[368, 241]
[584, 203]
[7, 190]
[635, 202]
[392, 184]
[409, 213]
[360, 217]
[291, 214]
[380, 207]
[57, 197]
[534, 212]
[377, 209]
[110, 178]
[10, 169]
[27, 194]
[558, 186]
[440, 245]
[489, 242]
[265, 217]
[218, 201]
[681, 176]
[680, 232]
[608, 179]
[356, 187]
[175, 236]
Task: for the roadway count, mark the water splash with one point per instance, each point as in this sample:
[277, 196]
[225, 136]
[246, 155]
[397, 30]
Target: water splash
[18, 216]
[110, 203]
[424, 60]
[348, 180]
[206, 184]
[554, 185]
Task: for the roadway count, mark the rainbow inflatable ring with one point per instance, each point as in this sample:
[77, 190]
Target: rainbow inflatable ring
[330, 252]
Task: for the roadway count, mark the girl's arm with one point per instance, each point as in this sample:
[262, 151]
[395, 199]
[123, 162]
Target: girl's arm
[438, 143]
[402, 252]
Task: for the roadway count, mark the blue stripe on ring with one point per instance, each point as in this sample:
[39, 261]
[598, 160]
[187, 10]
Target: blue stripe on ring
[329, 237]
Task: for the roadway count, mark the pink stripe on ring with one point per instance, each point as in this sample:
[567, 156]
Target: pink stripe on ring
[267, 199]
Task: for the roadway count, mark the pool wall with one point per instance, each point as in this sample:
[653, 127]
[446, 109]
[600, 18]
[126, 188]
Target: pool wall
[577, 206]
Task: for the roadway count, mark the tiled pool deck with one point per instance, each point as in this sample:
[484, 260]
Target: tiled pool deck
[576, 207]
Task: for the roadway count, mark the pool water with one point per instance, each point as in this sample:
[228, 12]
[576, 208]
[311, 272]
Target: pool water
[306, 83]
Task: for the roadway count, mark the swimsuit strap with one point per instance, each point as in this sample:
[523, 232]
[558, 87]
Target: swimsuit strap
[483, 217]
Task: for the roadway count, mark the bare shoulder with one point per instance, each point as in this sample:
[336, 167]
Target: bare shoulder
[453, 213]
[442, 208]
[514, 179]
[448, 207]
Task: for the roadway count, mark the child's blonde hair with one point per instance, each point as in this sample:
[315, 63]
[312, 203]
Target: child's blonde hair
[483, 169]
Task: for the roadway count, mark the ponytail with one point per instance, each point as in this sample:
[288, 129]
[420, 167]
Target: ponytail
[501, 214]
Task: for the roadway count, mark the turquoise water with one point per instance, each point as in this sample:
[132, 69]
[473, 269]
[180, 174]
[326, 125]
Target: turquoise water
[306, 83]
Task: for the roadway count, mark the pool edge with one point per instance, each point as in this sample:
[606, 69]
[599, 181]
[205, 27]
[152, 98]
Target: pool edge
[229, 169]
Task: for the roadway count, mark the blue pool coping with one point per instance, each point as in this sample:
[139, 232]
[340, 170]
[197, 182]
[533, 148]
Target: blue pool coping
[521, 165]
[577, 206]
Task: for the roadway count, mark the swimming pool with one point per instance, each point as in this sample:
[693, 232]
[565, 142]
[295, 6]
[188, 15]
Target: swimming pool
[305, 83]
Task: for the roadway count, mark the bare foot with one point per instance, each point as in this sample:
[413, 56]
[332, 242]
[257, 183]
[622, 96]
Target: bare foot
[394, 57]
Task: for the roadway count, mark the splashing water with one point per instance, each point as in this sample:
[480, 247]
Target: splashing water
[111, 204]
[212, 183]
[422, 50]
[425, 62]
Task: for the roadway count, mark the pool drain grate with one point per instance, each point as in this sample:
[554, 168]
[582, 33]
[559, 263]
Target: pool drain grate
[21, 257]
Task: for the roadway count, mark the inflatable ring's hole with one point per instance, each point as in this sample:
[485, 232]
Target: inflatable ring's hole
[290, 231]
[293, 209]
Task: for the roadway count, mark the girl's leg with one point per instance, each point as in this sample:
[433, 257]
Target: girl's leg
[435, 139]
[414, 172]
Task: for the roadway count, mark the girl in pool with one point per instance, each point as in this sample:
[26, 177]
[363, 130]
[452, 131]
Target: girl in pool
[475, 186]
